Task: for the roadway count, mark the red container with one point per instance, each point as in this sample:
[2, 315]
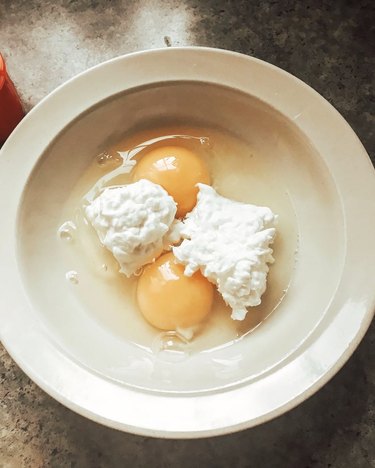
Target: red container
[11, 111]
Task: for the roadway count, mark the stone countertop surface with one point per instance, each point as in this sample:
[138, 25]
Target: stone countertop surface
[330, 46]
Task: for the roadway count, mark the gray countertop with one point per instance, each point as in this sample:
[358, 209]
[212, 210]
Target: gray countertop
[329, 45]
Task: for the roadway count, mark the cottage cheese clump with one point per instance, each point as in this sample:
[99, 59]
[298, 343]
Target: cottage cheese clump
[229, 242]
[135, 222]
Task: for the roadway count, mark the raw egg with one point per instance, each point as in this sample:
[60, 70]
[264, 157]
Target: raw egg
[177, 170]
[168, 299]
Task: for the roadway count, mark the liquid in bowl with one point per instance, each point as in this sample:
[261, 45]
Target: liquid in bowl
[238, 172]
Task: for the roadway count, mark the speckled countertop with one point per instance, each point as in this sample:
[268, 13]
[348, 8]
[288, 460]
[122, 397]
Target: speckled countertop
[329, 45]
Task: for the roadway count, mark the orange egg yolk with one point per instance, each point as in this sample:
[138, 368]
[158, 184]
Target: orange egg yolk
[177, 170]
[168, 299]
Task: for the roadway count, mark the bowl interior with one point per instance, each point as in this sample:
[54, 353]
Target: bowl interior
[297, 167]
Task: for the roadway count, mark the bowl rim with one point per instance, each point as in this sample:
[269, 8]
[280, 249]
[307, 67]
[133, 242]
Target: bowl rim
[192, 416]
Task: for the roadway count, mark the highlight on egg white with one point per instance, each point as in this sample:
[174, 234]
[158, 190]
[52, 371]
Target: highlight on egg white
[133, 222]
[229, 242]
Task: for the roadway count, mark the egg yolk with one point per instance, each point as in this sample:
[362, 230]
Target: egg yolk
[177, 170]
[168, 299]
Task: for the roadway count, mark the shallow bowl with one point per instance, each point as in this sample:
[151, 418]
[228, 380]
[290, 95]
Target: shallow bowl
[328, 179]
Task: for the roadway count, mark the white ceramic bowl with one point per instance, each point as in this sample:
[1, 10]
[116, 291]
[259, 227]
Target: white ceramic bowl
[328, 308]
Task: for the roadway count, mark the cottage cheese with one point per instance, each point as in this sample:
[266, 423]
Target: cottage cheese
[229, 242]
[133, 222]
